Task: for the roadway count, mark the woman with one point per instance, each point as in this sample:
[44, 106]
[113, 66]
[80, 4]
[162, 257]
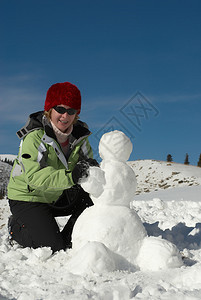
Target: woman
[54, 155]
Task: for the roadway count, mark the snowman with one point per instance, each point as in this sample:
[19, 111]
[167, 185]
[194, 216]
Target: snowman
[110, 221]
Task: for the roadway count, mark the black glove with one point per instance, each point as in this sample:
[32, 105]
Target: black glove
[92, 162]
[81, 169]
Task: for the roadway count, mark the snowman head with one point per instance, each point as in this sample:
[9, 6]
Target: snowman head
[115, 145]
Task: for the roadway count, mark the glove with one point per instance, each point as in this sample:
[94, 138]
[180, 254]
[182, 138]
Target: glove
[92, 162]
[81, 169]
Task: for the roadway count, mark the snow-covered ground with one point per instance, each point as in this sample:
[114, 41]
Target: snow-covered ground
[169, 205]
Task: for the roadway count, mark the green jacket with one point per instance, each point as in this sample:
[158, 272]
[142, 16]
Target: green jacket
[41, 171]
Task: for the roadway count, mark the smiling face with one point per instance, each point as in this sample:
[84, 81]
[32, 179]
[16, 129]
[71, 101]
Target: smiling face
[62, 121]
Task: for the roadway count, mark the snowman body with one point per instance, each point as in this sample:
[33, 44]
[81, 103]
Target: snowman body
[118, 228]
[120, 186]
[111, 221]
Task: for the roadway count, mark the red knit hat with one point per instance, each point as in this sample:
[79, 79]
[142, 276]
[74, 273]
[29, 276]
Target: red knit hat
[64, 93]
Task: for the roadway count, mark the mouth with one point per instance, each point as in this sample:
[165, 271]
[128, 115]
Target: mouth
[64, 122]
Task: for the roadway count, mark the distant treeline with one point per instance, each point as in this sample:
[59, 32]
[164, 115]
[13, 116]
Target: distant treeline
[8, 161]
[2, 192]
[186, 160]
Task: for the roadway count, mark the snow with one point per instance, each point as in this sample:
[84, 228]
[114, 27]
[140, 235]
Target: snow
[91, 272]
[111, 221]
[153, 175]
[120, 185]
[94, 183]
[115, 145]
[168, 219]
[118, 228]
[7, 156]
[158, 254]
[120, 180]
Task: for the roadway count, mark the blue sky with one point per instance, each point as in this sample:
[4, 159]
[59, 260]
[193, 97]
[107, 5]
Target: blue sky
[137, 64]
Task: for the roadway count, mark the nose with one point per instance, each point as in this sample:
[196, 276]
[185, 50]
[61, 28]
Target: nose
[65, 114]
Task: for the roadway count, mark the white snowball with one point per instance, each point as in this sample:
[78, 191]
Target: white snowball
[115, 145]
[93, 184]
[158, 254]
[120, 184]
[93, 257]
[117, 227]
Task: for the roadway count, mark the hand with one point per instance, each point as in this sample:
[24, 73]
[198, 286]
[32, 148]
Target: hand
[81, 169]
[92, 162]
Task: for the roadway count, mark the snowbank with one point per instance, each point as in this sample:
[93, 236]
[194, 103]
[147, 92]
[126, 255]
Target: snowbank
[94, 272]
[36, 274]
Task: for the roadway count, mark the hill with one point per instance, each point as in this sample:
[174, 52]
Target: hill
[10, 157]
[5, 170]
[155, 175]
[152, 175]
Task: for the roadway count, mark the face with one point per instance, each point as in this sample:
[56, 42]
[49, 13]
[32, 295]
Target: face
[62, 121]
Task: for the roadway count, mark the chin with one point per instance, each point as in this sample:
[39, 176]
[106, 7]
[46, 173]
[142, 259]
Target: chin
[63, 129]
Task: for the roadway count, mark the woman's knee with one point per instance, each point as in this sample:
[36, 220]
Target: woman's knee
[29, 236]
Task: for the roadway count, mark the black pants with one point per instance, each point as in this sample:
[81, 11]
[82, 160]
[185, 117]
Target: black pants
[33, 224]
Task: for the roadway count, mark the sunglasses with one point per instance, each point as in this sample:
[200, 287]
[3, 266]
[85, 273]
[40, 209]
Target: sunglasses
[62, 110]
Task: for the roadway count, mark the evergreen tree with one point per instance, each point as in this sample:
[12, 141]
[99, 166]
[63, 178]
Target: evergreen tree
[186, 162]
[2, 193]
[199, 162]
[169, 158]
